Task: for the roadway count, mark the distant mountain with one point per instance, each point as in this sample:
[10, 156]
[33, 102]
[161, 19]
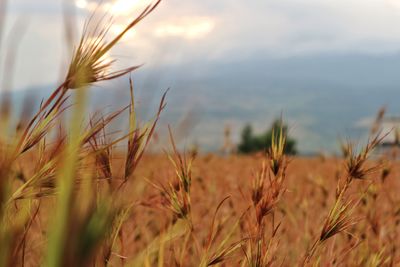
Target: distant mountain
[322, 96]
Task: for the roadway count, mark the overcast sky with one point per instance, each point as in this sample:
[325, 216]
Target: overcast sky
[179, 32]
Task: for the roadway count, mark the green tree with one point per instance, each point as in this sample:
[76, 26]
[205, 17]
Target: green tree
[251, 143]
[247, 143]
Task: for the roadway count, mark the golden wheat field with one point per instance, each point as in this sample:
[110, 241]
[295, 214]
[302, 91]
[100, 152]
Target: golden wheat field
[223, 218]
[298, 217]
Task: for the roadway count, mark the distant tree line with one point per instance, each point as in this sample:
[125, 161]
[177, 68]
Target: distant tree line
[251, 142]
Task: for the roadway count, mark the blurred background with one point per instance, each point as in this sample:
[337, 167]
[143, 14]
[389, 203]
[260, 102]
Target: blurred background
[325, 66]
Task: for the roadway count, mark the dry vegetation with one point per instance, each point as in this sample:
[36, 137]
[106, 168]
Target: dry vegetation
[69, 198]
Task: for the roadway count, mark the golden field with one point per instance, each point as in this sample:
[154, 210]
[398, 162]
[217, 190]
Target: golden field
[310, 187]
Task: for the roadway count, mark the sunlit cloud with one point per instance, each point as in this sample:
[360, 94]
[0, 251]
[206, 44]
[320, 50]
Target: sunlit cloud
[81, 4]
[118, 28]
[115, 8]
[125, 7]
[189, 28]
[118, 10]
[87, 5]
[394, 3]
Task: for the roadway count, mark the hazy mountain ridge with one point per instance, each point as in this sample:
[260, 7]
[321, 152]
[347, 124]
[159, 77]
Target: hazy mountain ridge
[323, 97]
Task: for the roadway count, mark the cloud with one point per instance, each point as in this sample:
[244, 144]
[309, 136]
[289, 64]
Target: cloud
[180, 32]
[243, 30]
[187, 28]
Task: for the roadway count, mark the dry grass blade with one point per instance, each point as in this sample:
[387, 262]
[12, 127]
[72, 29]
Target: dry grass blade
[338, 220]
[42, 183]
[355, 163]
[46, 113]
[40, 126]
[173, 200]
[222, 250]
[211, 234]
[97, 126]
[378, 120]
[88, 64]
[103, 153]
[139, 138]
[266, 196]
[267, 191]
[276, 153]
[183, 166]
[258, 189]
[225, 253]
[176, 195]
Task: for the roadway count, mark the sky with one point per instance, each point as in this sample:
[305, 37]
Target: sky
[223, 42]
[180, 32]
